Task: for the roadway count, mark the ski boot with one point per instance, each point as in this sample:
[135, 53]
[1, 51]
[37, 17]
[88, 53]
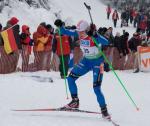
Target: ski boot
[105, 113]
[74, 104]
[136, 71]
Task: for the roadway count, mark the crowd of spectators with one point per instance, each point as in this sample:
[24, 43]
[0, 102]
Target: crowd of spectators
[45, 49]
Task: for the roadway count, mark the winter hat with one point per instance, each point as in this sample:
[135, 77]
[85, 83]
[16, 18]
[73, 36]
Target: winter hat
[24, 28]
[48, 26]
[73, 27]
[82, 25]
[43, 24]
[13, 21]
[58, 23]
[126, 34]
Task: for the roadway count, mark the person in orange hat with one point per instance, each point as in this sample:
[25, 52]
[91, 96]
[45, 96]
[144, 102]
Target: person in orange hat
[41, 38]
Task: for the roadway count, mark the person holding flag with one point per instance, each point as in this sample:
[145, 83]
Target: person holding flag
[11, 45]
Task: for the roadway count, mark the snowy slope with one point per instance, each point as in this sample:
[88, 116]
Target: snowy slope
[17, 92]
[70, 11]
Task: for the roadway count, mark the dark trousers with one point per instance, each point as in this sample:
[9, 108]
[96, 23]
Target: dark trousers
[108, 14]
[115, 22]
[66, 65]
[131, 19]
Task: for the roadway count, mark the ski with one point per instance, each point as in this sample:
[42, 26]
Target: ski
[58, 109]
[65, 110]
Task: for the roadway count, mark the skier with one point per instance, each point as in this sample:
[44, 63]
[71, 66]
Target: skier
[92, 60]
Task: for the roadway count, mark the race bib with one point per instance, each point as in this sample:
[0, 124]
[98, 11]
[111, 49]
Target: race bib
[87, 49]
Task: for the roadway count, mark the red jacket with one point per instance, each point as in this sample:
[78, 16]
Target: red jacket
[143, 25]
[25, 39]
[115, 16]
[108, 9]
[134, 13]
[65, 45]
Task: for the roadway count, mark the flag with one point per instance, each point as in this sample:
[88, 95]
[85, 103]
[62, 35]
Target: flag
[9, 40]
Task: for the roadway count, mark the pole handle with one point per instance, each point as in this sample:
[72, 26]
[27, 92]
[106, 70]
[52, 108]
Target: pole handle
[87, 6]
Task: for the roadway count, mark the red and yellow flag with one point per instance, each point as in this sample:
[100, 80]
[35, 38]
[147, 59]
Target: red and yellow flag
[9, 40]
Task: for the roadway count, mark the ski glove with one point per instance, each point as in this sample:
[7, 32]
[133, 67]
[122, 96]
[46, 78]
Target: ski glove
[58, 23]
[92, 30]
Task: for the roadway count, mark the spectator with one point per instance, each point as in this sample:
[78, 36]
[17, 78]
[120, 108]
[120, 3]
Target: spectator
[134, 42]
[143, 24]
[109, 35]
[115, 17]
[40, 38]
[108, 10]
[63, 50]
[117, 43]
[124, 18]
[27, 44]
[124, 44]
[9, 61]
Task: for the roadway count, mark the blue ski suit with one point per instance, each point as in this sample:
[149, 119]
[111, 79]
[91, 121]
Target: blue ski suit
[92, 60]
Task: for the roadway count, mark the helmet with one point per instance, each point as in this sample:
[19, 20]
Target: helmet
[82, 25]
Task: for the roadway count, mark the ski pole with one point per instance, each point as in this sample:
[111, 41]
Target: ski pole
[89, 8]
[62, 59]
[105, 58]
[111, 67]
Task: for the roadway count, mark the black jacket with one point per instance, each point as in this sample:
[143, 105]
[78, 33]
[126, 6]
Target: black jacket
[124, 45]
[17, 36]
[1, 41]
[134, 43]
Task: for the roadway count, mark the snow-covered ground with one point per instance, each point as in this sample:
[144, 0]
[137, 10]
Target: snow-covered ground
[20, 92]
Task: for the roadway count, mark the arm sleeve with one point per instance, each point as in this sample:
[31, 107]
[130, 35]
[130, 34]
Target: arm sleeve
[68, 32]
[102, 40]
